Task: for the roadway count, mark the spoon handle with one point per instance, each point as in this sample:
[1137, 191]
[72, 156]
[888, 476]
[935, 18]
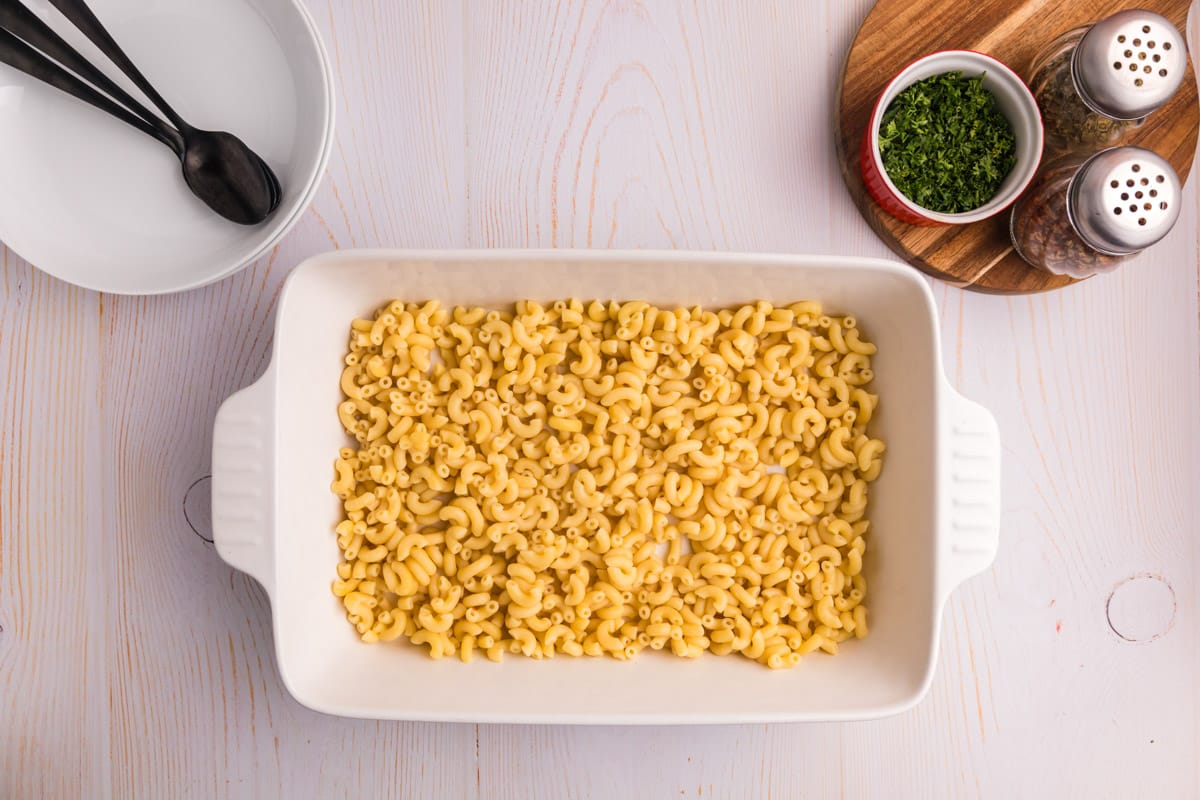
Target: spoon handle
[19, 55]
[19, 20]
[89, 25]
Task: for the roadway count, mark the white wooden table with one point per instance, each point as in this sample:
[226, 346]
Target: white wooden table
[134, 663]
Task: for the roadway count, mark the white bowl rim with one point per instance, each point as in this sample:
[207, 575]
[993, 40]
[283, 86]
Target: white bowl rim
[999, 202]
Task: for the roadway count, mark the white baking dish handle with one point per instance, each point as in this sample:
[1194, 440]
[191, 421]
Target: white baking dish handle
[243, 481]
[970, 510]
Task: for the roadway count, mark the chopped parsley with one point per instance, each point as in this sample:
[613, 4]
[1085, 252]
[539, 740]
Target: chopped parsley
[945, 144]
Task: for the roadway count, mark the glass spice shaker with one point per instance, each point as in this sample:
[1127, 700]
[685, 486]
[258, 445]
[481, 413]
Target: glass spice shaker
[1096, 84]
[1083, 215]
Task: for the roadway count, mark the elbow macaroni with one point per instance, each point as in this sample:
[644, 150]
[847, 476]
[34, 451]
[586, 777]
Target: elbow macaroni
[601, 478]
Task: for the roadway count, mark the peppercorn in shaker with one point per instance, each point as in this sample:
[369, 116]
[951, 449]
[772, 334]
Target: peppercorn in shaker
[1082, 214]
[1095, 85]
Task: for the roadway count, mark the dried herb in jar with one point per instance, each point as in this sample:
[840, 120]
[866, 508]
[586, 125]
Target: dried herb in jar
[1069, 122]
[1085, 214]
[1042, 231]
[1096, 84]
[945, 144]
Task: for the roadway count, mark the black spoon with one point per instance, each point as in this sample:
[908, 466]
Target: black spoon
[18, 54]
[224, 173]
[212, 159]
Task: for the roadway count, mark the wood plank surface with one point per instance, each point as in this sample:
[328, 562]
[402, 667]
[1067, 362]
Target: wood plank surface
[134, 663]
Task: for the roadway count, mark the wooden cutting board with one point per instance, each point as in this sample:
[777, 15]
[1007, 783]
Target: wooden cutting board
[896, 32]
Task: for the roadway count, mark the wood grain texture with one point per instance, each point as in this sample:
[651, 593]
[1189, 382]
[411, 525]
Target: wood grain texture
[896, 32]
[134, 663]
[53, 695]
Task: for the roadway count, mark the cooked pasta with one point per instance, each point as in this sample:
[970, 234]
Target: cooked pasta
[601, 478]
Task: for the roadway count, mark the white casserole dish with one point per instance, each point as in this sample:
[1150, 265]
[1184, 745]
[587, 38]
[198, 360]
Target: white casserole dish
[935, 507]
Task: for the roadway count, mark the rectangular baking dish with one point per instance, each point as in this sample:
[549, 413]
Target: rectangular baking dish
[935, 507]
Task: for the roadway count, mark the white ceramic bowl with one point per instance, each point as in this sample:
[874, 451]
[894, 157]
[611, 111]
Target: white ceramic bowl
[1015, 101]
[935, 507]
[98, 204]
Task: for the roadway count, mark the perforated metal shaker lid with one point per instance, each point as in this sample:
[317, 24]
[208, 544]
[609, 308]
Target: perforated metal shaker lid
[1123, 200]
[1129, 64]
